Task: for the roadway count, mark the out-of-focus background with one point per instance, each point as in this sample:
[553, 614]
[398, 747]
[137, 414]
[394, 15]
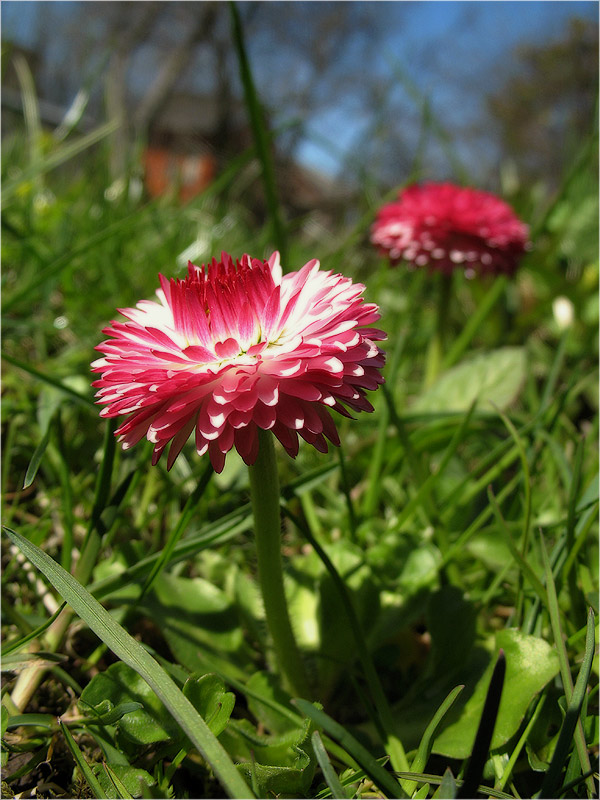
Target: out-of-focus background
[355, 92]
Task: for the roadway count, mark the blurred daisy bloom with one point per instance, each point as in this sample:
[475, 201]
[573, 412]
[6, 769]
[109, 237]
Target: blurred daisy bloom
[445, 227]
[234, 347]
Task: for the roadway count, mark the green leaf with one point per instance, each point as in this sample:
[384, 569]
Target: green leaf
[274, 781]
[133, 780]
[116, 785]
[132, 653]
[195, 616]
[281, 764]
[120, 684]
[265, 685]
[211, 700]
[109, 714]
[496, 376]
[530, 664]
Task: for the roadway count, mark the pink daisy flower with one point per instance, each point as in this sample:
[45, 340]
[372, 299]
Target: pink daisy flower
[234, 347]
[443, 226]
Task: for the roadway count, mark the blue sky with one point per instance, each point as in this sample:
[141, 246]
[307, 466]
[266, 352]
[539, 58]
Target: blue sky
[443, 47]
[496, 28]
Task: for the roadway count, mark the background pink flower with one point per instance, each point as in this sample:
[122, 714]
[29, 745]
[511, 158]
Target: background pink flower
[443, 226]
[235, 347]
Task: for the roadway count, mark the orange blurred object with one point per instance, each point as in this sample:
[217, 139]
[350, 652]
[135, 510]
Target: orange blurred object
[166, 171]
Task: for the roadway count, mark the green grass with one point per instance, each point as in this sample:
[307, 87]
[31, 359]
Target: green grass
[444, 531]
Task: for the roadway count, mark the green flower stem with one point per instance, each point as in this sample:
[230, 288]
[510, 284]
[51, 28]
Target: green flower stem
[435, 351]
[264, 486]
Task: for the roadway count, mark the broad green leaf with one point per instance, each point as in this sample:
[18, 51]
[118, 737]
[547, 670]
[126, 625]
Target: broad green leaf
[209, 697]
[494, 377]
[490, 547]
[530, 664]
[281, 764]
[195, 616]
[276, 781]
[120, 684]
[281, 750]
[134, 780]
[265, 684]
[132, 653]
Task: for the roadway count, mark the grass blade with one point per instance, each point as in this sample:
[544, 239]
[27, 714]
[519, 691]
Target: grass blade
[81, 398]
[390, 787]
[448, 787]
[386, 723]
[420, 760]
[571, 720]
[527, 570]
[463, 340]
[178, 530]
[577, 728]
[331, 778]
[59, 156]
[82, 763]
[426, 488]
[485, 731]
[31, 111]
[261, 136]
[119, 786]
[35, 634]
[36, 459]
[134, 655]
[54, 267]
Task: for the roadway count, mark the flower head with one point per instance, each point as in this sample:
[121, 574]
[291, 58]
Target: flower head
[234, 347]
[443, 226]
